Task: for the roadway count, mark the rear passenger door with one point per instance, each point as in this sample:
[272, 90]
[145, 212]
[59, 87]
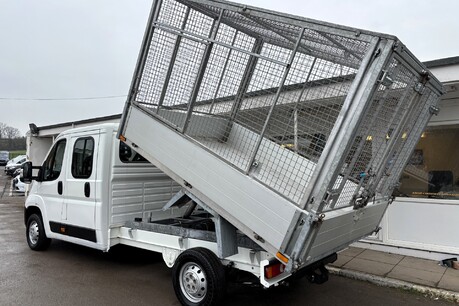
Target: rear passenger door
[80, 192]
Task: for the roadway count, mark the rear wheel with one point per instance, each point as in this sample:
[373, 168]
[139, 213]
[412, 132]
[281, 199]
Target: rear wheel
[35, 234]
[198, 278]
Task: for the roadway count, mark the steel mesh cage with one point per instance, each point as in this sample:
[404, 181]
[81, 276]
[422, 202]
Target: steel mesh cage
[263, 92]
[371, 147]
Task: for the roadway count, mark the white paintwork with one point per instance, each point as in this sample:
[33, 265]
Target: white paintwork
[119, 191]
[404, 229]
[171, 246]
[78, 209]
[48, 189]
[447, 73]
[37, 148]
[412, 232]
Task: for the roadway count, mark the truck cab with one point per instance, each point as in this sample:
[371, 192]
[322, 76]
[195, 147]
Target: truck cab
[89, 183]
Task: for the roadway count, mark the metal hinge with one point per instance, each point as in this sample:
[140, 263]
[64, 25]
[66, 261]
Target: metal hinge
[434, 110]
[419, 88]
[421, 85]
[316, 219]
[362, 200]
[386, 79]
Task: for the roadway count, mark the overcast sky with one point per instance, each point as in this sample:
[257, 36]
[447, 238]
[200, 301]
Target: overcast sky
[54, 49]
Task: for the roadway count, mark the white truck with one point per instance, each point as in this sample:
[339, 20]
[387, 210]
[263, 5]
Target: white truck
[276, 141]
[96, 191]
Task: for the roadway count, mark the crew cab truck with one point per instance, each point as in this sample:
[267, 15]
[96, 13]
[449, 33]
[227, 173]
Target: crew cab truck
[96, 191]
[289, 134]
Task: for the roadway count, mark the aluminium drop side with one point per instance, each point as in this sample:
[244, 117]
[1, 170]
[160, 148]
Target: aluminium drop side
[294, 130]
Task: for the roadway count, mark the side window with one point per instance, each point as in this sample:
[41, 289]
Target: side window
[53, 164]
[128, 155]
[83, 153]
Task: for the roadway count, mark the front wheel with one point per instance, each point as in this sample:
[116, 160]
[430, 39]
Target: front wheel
[198, 278]
[35, 234]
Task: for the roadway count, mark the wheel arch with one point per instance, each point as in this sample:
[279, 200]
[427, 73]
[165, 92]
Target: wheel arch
[30, 210]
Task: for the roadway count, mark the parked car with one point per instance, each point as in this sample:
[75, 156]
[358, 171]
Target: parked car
[13, 166]
[16, 159]
[4, 157]
[18, 183]
[17, 172]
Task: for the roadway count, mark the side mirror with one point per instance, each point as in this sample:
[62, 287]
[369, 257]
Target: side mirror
[27, 172]
[27, 176]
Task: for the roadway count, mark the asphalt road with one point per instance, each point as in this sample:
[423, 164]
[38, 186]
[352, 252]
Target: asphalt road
[68, 274]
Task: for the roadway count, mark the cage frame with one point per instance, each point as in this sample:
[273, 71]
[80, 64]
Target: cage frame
[370, 74]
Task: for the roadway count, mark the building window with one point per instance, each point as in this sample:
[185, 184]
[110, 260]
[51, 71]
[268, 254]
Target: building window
[83, 152]
[128, 155]
[433, 170]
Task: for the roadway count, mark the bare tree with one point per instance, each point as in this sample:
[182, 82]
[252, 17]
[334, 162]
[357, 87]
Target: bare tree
[2, 128]
[8, 132]
[11, 132]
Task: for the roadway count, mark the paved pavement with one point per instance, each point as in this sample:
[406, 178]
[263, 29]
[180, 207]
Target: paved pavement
[387, 268]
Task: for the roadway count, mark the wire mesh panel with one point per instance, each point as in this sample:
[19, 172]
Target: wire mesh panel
[388, 133]
[406, 142]
[263, 92]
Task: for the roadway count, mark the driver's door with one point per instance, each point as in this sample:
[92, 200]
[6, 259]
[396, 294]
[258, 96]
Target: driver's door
[51, 188]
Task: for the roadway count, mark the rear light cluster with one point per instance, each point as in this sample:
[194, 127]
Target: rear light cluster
[274, 270]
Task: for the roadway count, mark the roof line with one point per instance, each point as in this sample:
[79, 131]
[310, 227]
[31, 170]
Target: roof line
[91, 120]
[442, 62]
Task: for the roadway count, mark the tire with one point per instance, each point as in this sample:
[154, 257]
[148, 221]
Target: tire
[35, 234]
[198, 278]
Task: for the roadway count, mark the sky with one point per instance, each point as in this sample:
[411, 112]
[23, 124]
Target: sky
[53, 53]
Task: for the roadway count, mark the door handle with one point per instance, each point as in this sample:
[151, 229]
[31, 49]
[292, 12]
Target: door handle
[60, 187]
[87, 189]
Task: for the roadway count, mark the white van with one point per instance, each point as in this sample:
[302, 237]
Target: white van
[94, 190]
